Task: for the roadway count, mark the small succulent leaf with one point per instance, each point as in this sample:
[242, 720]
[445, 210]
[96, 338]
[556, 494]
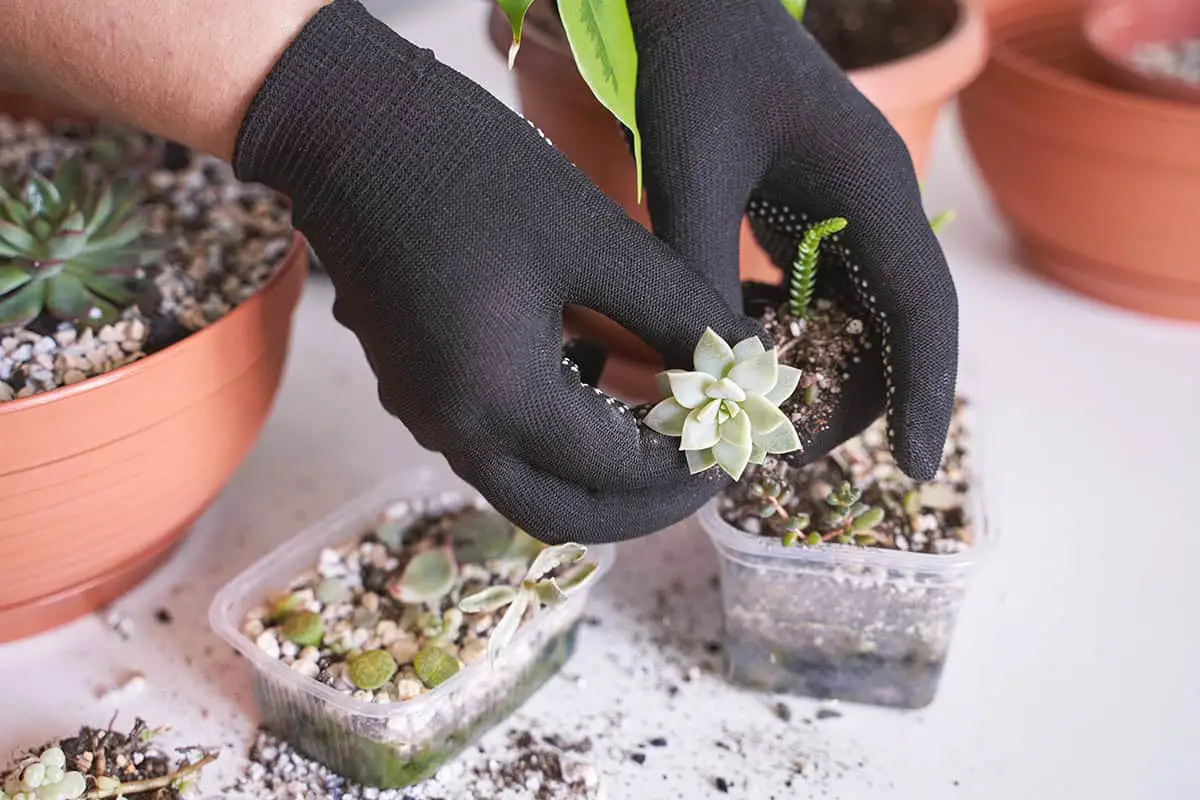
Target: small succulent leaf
[709, 411]
[700, 433]
[120, 236]
[487, 600]
[758, 374]
[371, 670]
[124, 200]
[549, 594]
[554, 557]
[12, 277]
[758, 454]
[99, 212]
[114, 290]
[667, 418]
[725, 389]
[782, 439]
[101, 313]
[305, 628]
[712, 354]
[40, 194]
[428, 576]
[700, 460]
[748, 348]
[514, 10]
[795, 8]
[66, 245]
[737, 430]
[17, 237]
[600, 34]
[523, 547]
[67, 298]
[764, 415]
[868, 520]
[434, 666]
[507, 626]
[688, 388]
[732, 457]
[662, 380]
[16, 212]
[479, 535]
[785, 384]
[577, 577]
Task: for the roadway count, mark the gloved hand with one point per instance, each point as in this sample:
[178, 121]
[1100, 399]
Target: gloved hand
[454, 234]
[741, 111]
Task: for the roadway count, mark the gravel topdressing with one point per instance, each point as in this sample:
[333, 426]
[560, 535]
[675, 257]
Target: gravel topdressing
[1179, 60]
[224, 239]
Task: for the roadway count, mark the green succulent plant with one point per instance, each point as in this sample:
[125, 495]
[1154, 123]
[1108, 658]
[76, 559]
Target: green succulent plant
[536, 589]
[371, 669]
[726, 410]
[46, 778]
[435, 666]
[804, 270]
[429, 576]
[70, 247]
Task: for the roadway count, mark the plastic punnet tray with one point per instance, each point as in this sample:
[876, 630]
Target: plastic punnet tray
[398, 743]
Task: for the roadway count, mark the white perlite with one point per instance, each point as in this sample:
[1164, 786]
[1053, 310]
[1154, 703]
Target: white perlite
[224, 240]
[1169, 59]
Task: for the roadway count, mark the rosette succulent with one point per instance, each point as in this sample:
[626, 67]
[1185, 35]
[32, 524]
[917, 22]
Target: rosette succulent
[71, 247]
[726, 411]
[44, 778]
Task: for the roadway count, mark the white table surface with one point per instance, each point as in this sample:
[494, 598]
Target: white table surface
[1074, 670]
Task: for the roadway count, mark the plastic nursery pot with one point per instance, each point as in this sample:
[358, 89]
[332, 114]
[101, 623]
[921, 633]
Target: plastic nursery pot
[1100, 187]
[856, 624]
[399, 743]
[100, 480]
[1117, 29]
[910, 92]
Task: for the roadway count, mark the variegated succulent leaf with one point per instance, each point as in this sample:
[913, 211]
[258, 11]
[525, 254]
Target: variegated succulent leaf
[428, 576]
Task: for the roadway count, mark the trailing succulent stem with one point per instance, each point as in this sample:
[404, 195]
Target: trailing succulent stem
[846, 520]
[804, 269]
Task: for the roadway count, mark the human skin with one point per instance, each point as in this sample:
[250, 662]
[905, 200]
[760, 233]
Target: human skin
[185, 70]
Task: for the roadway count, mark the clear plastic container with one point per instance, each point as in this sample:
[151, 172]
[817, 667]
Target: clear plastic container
[863, 625]
[400, 743]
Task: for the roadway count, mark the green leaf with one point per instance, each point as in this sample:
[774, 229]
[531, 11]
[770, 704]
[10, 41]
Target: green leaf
[40, 194]
[515, 11]
[758, 374]
[22, 306]
[434, 666]
[795, 8]
[67, 297]
[601, 37]
[700, 460]
[12, 277]
[667, 418]
[733, 456]
[868, 519]
[114, 290]
[577, 577]
[67, 244]
[748, 348]
[479, 535]
[764, 416]
[17, 237]
[428, 576]
[712, 354]
[549, 593]
[371, 670]
[782, 439]
[69, 177]
[688, 388]
[700, 430]
[304, 628]
[785, 383]
[505, 629]
[490, 599]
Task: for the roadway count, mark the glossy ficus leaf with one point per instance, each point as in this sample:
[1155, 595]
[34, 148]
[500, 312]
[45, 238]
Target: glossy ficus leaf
[795, 8]
[601, 37]
[514, 10]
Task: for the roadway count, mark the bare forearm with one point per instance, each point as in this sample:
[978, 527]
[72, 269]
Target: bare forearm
[183, 69]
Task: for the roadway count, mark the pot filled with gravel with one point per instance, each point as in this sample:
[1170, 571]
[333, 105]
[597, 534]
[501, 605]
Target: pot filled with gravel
[146, 298]
[390, 636]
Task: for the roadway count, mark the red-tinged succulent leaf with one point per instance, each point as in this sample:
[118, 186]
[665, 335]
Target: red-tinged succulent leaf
[12, 277]
[22, 306]
[16, 212]
[17, 237]
[67, 298]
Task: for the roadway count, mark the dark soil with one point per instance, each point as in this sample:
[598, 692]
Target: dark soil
[866, 33]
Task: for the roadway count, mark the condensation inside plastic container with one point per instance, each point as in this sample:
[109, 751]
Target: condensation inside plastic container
[839, 622]
[400, 743]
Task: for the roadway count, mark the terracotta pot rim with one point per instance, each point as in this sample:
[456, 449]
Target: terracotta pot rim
[291, 260]
[952, 62]
[1121, 102]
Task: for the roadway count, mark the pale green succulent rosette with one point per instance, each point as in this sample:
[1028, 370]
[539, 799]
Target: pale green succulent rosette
[726, 410]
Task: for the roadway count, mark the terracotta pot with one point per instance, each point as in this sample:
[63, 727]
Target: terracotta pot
[101, 479]
[1101, 187]
[1116, 28]
[910, 92]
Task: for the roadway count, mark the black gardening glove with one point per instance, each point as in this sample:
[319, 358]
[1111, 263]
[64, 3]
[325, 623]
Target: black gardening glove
[742, 111]
[454, 234]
